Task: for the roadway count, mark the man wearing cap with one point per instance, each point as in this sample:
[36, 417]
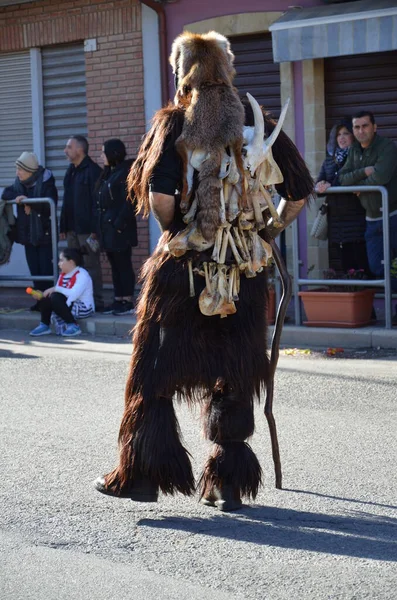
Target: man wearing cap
[33, 229]
[78, 216]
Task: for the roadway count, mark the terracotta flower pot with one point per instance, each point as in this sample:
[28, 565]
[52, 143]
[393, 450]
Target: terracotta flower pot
[337, 309]
[271, 308]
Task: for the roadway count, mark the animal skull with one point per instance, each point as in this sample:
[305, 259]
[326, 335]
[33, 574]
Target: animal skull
[256, 147]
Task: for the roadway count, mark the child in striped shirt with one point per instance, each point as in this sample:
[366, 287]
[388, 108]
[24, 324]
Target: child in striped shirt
[71, 298]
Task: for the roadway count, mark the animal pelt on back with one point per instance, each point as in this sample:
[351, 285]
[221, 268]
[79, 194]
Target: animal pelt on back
[214, 117]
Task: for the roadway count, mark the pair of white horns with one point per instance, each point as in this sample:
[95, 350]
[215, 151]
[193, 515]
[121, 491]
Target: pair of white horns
[257, 148]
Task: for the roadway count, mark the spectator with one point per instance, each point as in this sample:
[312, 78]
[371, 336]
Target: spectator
[33, 227]
[346, 216]
[78, 216]
[7, 225]
[70, 299]
[117, 225]
[372, 160]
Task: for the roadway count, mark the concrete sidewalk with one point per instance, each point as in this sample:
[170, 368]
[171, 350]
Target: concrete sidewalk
[15, 314]
[293, 336]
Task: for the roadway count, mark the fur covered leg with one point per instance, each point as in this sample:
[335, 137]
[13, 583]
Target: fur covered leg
[152, 456]
[232, 470]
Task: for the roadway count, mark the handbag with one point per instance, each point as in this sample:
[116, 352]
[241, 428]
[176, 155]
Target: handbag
[320, 225]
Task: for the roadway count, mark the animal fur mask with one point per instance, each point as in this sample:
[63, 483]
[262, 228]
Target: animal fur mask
[214, 117]
[196, 59]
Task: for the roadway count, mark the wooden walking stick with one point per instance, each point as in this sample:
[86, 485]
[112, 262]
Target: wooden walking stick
[278, 327]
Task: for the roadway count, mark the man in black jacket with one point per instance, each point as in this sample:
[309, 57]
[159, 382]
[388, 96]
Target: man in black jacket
[78, 216]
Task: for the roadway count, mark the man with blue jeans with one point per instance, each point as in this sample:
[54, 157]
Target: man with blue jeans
[372, 160]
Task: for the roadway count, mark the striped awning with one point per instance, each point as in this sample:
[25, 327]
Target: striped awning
[335, 30]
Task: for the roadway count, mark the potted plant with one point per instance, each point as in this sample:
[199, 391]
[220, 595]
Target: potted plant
[339, 306]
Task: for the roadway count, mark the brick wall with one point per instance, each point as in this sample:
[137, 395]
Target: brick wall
[114, 72]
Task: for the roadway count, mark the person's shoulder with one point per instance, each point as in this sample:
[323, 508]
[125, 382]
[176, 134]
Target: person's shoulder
[9, 192]
[385, 143]
[84, 273]
[92, 164]
[48, 176]
[124, 168]
[355, 146]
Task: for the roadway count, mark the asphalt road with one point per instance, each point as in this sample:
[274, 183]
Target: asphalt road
[330, 534]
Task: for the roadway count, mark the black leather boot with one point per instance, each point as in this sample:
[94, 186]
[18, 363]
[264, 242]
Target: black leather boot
[226, 499]
[142, 490]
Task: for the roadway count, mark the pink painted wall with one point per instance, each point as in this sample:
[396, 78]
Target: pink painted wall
[188, 11]
[181, 12]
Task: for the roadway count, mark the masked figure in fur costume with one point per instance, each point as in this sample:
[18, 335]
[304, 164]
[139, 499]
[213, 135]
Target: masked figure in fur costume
[201, 324]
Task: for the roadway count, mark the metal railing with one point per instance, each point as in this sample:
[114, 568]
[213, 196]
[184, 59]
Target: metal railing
[385, 282]
[54, 240]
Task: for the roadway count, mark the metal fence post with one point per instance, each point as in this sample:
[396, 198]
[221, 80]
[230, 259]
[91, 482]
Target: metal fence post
[385, 282]
[295, 271]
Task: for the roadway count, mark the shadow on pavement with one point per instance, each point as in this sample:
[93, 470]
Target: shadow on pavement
[362, 535]
[11, 354]
[340, 498]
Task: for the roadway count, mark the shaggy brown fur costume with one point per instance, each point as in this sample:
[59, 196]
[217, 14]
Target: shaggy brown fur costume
[178, 351]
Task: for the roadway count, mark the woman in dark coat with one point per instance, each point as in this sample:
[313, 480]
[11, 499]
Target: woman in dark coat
[117, 225]
[33, 229]
[346, 216]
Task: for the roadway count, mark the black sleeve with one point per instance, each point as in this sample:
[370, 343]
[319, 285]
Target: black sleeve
[167, 174]
[9, 193]
[95, 173]
[322, 175]
[49, 190]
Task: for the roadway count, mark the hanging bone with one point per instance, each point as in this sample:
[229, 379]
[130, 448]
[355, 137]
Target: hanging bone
[188, 239]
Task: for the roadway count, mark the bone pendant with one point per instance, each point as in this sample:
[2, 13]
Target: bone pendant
[255, 197]
[217, 302]
[232, 206]
[261, 252]
[234, 174]
[188, 239]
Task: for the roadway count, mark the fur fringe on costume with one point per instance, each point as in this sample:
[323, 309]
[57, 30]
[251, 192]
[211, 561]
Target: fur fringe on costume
[151, 448]
[234, 464]
[178, 350]
[229, 417]
[196, 351]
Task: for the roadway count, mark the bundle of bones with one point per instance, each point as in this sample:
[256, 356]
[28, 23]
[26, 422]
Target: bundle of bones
[228, 212]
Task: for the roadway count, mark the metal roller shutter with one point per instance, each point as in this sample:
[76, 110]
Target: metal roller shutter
[16, 132]
[363, 81]
[256, 71]
[65, 104]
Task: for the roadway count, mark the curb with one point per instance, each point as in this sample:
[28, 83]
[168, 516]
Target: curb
[364, 337]
[293, 336]
[97, 325]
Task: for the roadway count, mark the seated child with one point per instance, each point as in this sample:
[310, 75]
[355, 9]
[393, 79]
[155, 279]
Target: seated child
[71, 298]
